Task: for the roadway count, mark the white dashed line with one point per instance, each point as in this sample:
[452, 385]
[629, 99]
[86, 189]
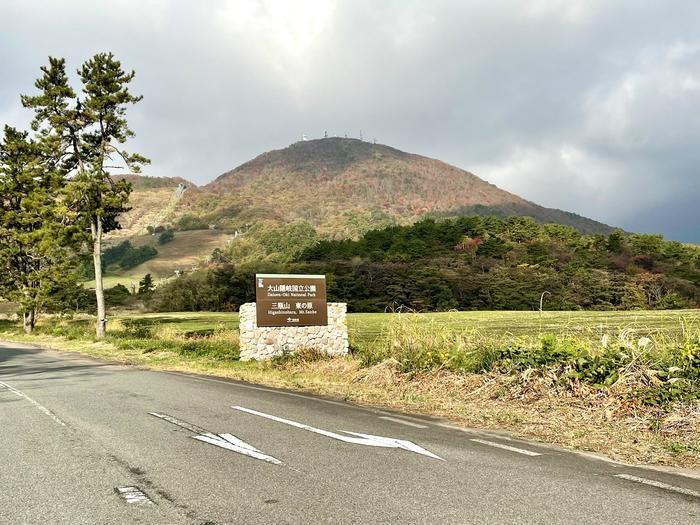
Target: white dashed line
[37, 405]
[659, 485]
[507, 447]
[133, 496]
[403, 422]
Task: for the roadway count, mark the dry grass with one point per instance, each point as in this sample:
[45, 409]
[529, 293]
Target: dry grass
[186, 250]
[147, 209]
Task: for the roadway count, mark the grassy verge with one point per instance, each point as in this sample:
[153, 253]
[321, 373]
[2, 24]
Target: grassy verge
[623, 384]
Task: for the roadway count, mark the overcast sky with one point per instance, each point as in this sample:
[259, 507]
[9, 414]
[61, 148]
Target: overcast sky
[584, 105]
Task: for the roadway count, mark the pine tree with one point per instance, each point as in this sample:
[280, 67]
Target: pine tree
[86, 136]
[146, 285]
[35, 264]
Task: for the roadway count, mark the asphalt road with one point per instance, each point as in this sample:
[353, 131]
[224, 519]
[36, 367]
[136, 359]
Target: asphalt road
[79, 444]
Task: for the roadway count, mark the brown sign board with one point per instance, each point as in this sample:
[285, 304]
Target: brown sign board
[290, 300]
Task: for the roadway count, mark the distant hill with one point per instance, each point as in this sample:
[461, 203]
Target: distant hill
[143, 183]
[154, 201]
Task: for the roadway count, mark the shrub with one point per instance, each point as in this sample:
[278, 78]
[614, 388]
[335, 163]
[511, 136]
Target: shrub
[417, 344]
[191, 222]
[299, 357]
[646, 370]
[166, 237]
[118, 295]
[127, 256]
[137, 328]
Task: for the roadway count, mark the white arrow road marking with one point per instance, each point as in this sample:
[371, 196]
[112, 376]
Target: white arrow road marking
[361, 439]
[227, 441]
[230, 442]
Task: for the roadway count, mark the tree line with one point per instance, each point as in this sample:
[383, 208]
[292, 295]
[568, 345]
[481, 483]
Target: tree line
[58, 197]
[468, 263]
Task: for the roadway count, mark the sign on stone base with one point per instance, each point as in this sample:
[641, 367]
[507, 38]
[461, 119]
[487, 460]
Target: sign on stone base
[266, 342]
[290, 300]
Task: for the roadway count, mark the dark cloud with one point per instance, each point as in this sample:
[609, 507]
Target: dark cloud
[585, 105]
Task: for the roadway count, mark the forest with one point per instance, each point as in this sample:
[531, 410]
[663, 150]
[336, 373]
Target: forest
[468, 263]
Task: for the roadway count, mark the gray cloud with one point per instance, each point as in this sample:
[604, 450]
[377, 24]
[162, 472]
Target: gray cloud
[585, 105]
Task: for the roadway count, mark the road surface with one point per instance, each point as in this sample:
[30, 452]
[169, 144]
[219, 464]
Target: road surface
[85, 441]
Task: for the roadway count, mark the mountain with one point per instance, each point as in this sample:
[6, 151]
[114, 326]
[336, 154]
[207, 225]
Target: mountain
[345, 186]
[341, 187]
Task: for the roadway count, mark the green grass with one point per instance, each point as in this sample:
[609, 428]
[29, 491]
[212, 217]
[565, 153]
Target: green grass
[111, 281]
[189, 322]
[369, 327]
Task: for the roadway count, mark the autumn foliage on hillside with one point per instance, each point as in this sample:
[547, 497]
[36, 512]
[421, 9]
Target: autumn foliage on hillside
[467, 263]
[327, 182]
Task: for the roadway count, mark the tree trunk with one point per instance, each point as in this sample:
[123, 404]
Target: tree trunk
[99, 289]
[29, 321]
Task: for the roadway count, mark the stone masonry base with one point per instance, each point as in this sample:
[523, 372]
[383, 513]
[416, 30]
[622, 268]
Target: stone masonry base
[262, 343]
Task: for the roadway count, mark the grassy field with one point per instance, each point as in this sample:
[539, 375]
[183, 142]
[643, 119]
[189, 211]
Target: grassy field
[624, 384]
[584, 324]
[367, 328]
[185, 251]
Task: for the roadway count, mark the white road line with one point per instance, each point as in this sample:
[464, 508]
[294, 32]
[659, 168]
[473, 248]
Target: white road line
[37, 405]
[134, 496]
[360, 439]
[507, 447]
[403, 422]
[659, 484]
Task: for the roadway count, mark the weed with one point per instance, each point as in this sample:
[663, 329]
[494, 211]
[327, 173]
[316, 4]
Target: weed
[299, 357]
[680, 448]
